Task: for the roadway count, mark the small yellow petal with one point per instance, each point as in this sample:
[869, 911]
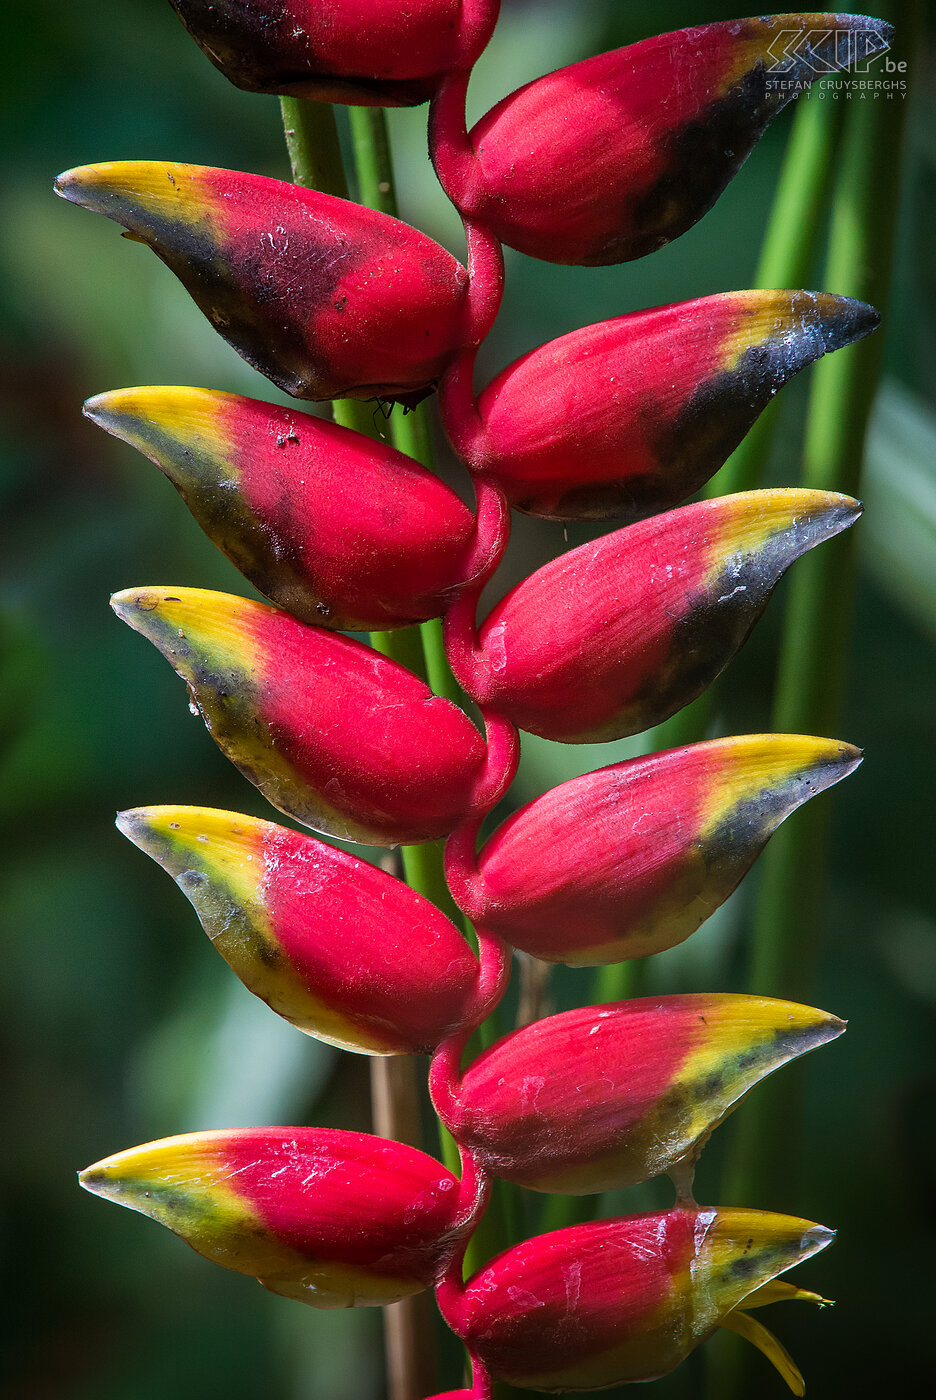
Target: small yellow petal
[779, 1291]
[776, 1353]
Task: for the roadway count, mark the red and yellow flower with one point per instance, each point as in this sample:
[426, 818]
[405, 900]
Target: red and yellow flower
[333, 734]
[613, 157]
[604, 1097]
[631, 859]
[633, 415]
[340, 531]
[327, 298]
[619, 634]
[332, 1218]
[333, 944]
[626, 1300]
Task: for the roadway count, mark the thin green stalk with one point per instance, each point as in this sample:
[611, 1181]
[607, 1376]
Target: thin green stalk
[313, 145]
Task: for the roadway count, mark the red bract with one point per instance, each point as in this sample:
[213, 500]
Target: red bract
[608, 1096]
[335, 735]
[622, 1300]
[333, 944]
[630, 860]
[622, 632]
[326, 298]
[613, 157]
[341, 531]
[634, 415]
[331, 1218]
[366, 52]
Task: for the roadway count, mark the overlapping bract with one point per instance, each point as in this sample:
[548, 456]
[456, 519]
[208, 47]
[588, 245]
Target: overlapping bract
[631, 859]
[615, 156]
[366, 52]
[332, 1218]
[608, 1096]
[626, 1300]
[633, 415]
[333, 734]
[337, 946]
[340, 531]
[326, 298]
[619, 634]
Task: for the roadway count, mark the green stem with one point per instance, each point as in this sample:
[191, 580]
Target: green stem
[313, 145]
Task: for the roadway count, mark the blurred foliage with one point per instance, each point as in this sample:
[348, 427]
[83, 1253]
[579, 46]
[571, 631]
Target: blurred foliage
[119, 1023]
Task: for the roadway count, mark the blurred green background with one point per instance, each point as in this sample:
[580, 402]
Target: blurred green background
[119, 1023]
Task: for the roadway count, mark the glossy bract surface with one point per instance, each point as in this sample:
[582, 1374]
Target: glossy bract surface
[623, 1300]
[604, 1097]
[337, 946]
[340, 531]
[613, 157]
[334, 1219]
[333, 734]
[366, 52]
[633, 415]
[631, 859]
[327, 298]
[619, 634]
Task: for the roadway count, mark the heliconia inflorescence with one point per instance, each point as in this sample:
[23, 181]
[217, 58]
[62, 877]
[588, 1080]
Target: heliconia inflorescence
[627, 1300]
[597, 163]
[588, 166]
[609, 1096]
[652, 612]
[566, 880]
[344, 740]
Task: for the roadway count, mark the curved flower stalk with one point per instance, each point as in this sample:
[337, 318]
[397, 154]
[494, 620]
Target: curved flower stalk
[626, 1300]
[304, 507]
[329, 299]
[331, 1218]
[367, 52]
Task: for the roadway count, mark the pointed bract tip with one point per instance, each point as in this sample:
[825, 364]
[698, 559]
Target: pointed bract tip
[129, 821]
[147, 827]
[93, 1179]
[847, 320]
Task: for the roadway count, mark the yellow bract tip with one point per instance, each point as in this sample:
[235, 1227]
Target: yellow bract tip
[227, 845]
